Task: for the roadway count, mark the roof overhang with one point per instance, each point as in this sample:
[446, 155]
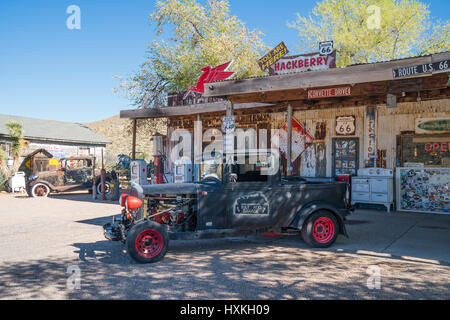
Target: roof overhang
[32, 154]
[370, 84]
[195, 109]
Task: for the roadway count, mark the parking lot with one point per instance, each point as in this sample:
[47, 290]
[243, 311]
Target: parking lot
[42, 240]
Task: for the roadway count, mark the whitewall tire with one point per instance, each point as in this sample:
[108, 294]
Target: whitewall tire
[40, 190]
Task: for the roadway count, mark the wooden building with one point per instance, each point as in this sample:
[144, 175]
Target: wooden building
[45, 140]
[398, 112]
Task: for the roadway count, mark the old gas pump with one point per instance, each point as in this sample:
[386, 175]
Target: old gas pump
[139, 172]
[158, 162]
[183, 172]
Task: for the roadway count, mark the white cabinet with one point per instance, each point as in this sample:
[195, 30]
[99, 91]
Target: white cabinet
[377, 188]
[17, 182]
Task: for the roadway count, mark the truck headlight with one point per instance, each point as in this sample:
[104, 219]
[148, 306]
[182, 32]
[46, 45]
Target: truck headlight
[133, 203]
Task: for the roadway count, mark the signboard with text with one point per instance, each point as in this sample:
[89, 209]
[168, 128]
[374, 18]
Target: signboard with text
[370, 136]
[326, 48]
[273, 56]
[303, 63]
[228, 124]
[410, 71]
[329, 92]
[345, 125]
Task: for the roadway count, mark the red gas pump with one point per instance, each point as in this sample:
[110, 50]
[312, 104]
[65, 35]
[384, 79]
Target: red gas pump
[158, 162]
[158, 169]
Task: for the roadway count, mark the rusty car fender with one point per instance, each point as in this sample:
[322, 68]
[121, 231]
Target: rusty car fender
[36, 181]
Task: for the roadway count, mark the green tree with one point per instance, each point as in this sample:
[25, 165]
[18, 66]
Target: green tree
[4, 172]
[190, 36]
[366, 31]
[3, 156]
[15, 130]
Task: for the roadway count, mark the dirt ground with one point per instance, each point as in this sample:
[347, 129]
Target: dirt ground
[43, 241]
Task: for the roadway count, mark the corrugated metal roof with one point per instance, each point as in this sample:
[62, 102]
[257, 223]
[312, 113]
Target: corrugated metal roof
[53, 130]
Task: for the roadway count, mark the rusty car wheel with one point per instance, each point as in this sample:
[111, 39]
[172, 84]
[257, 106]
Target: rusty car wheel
[40, 190]
[147, 242]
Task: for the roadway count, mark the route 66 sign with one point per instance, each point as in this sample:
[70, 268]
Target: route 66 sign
[345, 126]
[326, 48]
[228, 124]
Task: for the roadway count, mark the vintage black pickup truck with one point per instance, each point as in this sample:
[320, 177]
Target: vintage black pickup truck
[230, 200]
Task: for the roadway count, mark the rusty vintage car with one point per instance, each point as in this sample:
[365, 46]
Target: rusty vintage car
[72, 174]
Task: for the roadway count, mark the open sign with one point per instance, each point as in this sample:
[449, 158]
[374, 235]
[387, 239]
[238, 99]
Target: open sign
[433, 147]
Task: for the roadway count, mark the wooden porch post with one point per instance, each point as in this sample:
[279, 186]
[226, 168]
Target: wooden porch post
[198, 148]
[229, 138]
[133, 145]
[289, 141]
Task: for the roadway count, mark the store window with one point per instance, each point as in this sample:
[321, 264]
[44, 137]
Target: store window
[429, 150]
[41, 164]
[84, 151]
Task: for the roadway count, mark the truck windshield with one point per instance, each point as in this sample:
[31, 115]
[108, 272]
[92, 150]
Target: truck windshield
[211, 169]
[248, 172]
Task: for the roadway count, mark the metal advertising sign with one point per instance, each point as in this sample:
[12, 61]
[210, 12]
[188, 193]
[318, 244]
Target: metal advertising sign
[228, 124]
[345, 126]
[303, 63]
[432, 125]
[370, 136]
[209, 75]
[410, 71]
[301, 139]
[326, 48]
[273, 56]
[329, 93]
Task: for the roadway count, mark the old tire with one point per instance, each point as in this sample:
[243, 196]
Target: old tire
[40, 190]
[107, 188]
[147, 242]
[321, 229]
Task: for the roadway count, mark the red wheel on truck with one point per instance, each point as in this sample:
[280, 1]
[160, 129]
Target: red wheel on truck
[147, 242]
[321, 229]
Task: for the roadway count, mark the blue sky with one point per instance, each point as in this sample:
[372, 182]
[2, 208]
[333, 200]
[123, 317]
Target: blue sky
[48, 71]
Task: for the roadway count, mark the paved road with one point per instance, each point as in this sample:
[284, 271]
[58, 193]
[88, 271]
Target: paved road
[41, 238]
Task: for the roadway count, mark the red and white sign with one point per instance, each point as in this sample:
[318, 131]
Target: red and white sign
[301, 139]
[302, 63]
[330, 92]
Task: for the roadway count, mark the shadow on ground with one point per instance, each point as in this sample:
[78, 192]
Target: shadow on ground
[254, 268]
[72, 196]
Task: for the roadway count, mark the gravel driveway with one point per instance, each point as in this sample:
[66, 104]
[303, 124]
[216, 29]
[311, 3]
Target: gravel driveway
[43, 240]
